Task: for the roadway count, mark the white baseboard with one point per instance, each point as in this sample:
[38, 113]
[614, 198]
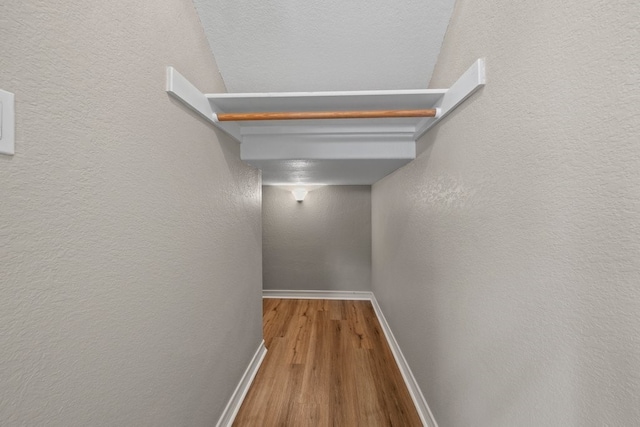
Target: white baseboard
[230, 412]
[344, 295]
[412, 385]
[414, 389]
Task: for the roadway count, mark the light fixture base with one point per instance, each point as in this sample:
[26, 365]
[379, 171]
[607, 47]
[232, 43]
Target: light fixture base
[299, 194]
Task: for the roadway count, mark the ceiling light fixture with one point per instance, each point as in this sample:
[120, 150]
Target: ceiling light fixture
[299, 194]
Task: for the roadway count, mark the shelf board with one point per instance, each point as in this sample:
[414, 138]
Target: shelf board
[326, 101]
[372, 147]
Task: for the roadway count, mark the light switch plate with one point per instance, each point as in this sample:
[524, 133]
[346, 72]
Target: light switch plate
[7, 123]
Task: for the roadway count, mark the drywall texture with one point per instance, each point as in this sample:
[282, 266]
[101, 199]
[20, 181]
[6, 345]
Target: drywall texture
[322, 243]
[507, 256]
[291, 45]
[130, 234]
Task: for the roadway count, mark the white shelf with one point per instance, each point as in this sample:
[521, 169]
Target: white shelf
[336, 149]
[326, 101]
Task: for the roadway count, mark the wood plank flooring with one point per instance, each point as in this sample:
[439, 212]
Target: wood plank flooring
[328, 364]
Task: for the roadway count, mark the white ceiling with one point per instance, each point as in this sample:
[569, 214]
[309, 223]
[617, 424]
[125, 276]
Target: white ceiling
[329, 45]
[294, 45]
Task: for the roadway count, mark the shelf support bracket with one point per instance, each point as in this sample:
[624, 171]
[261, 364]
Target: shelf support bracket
[472, 80]
[182, 89]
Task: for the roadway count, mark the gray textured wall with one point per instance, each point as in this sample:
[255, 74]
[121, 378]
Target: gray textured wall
[507, 256]
[323, 243]
[130, 232]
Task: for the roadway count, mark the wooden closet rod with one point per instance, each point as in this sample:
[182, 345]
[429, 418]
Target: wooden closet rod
[305, 115]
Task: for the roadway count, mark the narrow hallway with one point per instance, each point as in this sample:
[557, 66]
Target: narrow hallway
[328, 364]
[472, 170]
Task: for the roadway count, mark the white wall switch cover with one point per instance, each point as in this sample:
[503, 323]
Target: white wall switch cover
[7, 123]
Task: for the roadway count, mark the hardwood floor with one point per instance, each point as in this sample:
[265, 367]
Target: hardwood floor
[328, 364]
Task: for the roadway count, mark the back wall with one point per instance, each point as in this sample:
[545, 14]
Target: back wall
[322, 243]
